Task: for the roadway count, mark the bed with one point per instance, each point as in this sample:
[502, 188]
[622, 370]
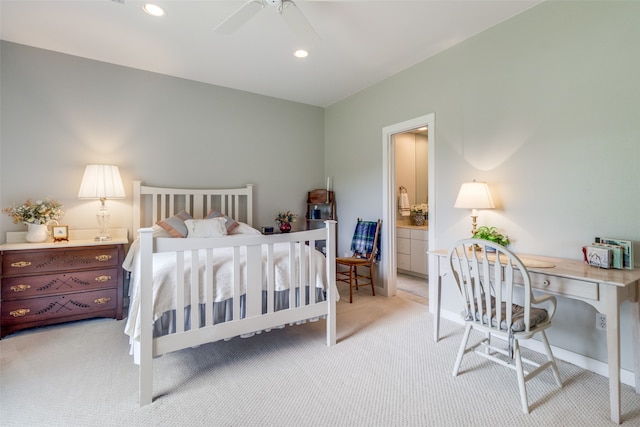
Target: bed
[240, 281]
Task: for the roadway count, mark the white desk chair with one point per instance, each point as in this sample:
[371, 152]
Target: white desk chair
[485, 283]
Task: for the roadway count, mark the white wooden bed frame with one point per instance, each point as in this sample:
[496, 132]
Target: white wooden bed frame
[154, 203]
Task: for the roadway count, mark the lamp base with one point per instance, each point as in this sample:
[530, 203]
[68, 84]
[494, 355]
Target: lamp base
[103, 222]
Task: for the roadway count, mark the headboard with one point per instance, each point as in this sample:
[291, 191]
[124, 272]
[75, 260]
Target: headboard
[151, 204]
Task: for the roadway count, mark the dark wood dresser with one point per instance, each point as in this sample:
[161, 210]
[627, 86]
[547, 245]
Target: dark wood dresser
[47, 283]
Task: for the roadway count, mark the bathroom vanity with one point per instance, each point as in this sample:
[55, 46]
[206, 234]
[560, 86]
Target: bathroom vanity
[412, 244]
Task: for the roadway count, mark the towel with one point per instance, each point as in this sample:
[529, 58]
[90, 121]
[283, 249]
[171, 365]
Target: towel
[403, 204]
[362, 243]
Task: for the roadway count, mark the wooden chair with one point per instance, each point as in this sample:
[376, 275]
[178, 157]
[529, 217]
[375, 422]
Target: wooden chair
[483, 283]
[366, 251]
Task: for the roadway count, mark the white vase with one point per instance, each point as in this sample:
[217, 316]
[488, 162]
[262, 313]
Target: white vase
[37, 233]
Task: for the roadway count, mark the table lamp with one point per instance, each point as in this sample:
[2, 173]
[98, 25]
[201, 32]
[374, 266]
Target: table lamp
[474, 195]
[102, 182]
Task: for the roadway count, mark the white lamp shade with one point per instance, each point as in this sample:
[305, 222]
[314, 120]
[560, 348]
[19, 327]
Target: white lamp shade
[474, 195]
[101, 181]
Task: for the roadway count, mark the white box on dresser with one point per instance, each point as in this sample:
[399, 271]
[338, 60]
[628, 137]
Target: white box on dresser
[47, 283]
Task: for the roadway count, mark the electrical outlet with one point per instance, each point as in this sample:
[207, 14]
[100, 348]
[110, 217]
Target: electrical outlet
[601, 321]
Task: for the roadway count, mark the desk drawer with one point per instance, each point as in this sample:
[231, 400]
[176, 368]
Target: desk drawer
[564, 286]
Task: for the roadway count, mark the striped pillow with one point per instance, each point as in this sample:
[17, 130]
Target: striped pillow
[175, 225]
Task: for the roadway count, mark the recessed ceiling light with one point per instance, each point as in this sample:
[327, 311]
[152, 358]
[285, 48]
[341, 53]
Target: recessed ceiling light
[153, 9]
[300, 53]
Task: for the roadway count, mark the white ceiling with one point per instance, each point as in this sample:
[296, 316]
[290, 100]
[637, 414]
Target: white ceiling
[361, 42]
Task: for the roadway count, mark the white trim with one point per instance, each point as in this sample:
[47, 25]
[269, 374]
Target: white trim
[388, 264]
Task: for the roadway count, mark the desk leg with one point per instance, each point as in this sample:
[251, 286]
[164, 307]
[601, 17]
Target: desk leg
[635, 334]
[437, 290]
[613, 348]
[436, 323]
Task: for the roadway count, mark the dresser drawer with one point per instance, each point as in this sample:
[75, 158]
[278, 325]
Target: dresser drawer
[58, 306]
[48, 284]
[20, 263]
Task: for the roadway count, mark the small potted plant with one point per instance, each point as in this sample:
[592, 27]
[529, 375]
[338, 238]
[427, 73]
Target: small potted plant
[491, 234]
[284, 220]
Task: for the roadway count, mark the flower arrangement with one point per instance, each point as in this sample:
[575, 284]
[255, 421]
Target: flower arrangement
[420, 209]
[38, 212]
[285, 217]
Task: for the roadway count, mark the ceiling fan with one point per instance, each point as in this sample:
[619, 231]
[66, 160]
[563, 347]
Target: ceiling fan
[286, 8]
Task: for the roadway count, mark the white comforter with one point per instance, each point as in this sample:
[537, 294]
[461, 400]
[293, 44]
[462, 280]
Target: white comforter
[164, 280]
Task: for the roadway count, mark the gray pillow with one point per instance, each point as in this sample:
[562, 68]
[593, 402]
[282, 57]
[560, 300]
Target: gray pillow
[231, 223]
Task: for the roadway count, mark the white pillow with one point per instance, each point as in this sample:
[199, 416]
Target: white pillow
[243, 228]
[212, 227]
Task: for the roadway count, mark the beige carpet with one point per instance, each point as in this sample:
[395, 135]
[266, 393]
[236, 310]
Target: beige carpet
[384, 371]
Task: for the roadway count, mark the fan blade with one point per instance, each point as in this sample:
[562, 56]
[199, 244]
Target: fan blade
[297, 22]
[240, 17]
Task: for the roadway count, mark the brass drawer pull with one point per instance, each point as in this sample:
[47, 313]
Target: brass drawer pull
[20, 264]
[20, 288]
[102, 300]
[103, 278]
[103, 257]
[19, 312]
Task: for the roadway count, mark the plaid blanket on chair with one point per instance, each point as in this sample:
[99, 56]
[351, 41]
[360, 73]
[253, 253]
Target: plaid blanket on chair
[362, 243]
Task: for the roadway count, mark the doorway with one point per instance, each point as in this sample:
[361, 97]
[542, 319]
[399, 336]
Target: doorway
[389, 211]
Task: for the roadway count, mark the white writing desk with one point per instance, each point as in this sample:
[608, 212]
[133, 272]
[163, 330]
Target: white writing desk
[604, 289]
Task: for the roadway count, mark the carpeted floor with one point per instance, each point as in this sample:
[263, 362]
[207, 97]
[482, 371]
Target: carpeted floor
[384, 371]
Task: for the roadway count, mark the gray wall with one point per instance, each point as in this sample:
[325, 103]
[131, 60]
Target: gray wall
[60, 113]
[544, 108]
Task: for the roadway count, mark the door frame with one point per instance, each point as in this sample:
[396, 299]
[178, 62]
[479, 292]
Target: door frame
[388, 263]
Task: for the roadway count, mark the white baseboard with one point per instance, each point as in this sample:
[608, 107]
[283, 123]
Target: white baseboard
[626, 377]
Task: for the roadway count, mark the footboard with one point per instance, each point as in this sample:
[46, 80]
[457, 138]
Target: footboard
[255, 279]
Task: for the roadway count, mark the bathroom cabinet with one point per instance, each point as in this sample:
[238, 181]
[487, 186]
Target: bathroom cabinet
[412, 244]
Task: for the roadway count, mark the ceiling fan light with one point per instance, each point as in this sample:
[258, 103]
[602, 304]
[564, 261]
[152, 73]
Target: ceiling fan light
[153, 10]
[300, 53]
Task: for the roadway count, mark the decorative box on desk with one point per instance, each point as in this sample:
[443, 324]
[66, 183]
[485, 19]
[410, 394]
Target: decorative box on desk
[47, 283]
